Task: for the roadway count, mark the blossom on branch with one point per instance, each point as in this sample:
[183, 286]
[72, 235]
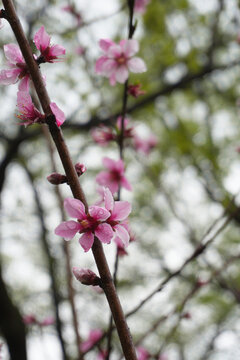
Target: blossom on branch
[145, 145]
[119, 211]
[118, 60]
[28, 113]
[90, 224]
[17, 69]
[142, 353]
[49, 53]
[114, 177]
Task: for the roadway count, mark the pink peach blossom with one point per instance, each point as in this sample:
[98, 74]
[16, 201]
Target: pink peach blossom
[145, 145]
[114, 176]
[17, 69]
[28, 113]
[119, 211]
[88, 224]
[118, 60]
[93, 338]
[135, 90]
[49, 53]
[29, 319]
[140, 6]
[58, 113]
[142, 353]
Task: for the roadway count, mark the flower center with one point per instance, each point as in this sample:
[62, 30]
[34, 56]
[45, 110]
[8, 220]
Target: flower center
[121, 60]
[88, 224]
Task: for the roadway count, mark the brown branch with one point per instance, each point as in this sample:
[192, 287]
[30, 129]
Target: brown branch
[97, 249]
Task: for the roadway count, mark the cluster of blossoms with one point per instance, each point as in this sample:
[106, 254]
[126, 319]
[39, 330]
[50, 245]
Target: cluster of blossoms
[106, 223]
[17, 71]
[103, 135]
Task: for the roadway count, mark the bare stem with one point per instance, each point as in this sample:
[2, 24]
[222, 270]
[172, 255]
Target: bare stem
[97, 249]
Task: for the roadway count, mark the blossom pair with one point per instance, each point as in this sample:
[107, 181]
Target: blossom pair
[17, 71]
[106, 223]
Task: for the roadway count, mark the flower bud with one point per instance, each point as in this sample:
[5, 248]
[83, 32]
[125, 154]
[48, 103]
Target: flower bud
[135, 90]
[80, 169]
[86, 276]
[56, 178]
[186, 315]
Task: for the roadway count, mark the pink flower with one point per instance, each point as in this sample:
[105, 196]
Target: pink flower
[140, 6]
[93, 338]
[102, 355]
[27, 111]
[145, 145]
[114, 176]
[118, 60]
[85, 276]
[49, 53]
[119, 211]
[102, 135]
[58, 113]
[17, 69]
[142, 353]
[87, 224]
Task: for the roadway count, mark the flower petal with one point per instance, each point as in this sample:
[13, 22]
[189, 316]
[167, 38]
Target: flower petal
[136, 65]
[58, 113]
[42, 39]
[67, 229]
[86, 241]
[126, 184]
[10, 76]
[109, 163]
[122, 233]
[75, 208]
[105, 44]
[104, 233]
[98, 213]
[108, 199]
[130, 47]
[121, 210]
[24, 84]
[121, 74]
[13, 53]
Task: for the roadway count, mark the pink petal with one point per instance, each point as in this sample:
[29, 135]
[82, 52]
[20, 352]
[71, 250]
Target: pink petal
[13, 53]
[95, 335]
[109, 66]
[109, 163]
[57, 50]
[24, 103]
[130, 47]
[136, 65]
[119, 166]
[98, 213]
[75, 208]
[10, 76]
[100, 63]
[86, 241]
[58, 113]
[114, 51]
[121, 74]
[105, 44]
[24, 84]
[103, 178]
[41, 39]
[104, 233]
[108, 199]
[67, 229]
[122, 233]
[125, 183]
[121, 210]
[112, 80]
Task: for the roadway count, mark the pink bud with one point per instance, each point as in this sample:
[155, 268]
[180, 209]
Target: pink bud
[80, 169]
[56, 178]
[86, 276]
[135, 90]
[201, 283]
